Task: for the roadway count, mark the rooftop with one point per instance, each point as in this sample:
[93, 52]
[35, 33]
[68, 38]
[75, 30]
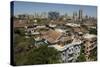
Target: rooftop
[73, 25]
[62, 48]
[51, 35]
[89, 36]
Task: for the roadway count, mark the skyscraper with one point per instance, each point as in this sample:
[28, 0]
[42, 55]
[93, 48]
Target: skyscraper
[74, 16]
[80, 15]
[53, 15]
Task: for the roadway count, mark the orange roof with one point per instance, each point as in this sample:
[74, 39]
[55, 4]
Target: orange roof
[51, 35]
[19, 23]
[77, 29]
[67, 38]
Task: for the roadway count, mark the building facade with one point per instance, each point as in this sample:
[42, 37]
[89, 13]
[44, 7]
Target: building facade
[89, 45]
[53, 15]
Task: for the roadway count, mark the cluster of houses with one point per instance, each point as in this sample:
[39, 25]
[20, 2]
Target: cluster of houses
[67, 40]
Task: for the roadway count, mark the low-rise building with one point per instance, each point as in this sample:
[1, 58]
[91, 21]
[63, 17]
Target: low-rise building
[69, 52]
[68, 47]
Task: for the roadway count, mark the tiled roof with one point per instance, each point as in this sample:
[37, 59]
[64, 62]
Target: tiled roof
[67, 38]
[19, 23]
[51, 35]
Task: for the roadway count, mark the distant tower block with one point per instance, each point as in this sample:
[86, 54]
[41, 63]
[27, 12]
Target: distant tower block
[80, 15]
[75, 16]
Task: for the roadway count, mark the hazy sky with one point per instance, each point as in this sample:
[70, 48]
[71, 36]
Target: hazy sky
[31, 7]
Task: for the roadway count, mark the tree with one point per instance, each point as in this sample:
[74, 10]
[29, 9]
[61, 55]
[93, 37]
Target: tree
[93, 55]
[41, 55]
[19, 31]
[93, 31]
[82, 58]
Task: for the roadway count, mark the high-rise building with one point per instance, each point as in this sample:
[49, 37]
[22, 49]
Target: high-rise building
[53, 15]
[86, 17]
[80, 15]
[74, 16]
[44, 15]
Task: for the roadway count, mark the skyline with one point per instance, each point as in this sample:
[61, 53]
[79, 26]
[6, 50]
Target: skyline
[34, 7]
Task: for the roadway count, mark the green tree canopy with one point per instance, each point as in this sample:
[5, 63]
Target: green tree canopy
[41, 55]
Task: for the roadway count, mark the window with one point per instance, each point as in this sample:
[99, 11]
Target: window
[70, 55]
[70, 60]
